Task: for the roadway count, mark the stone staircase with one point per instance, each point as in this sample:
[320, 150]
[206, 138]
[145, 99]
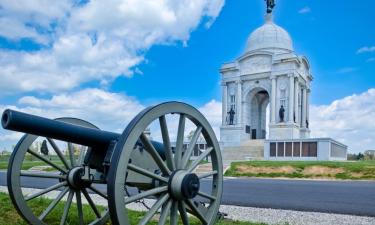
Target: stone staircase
[249, 150]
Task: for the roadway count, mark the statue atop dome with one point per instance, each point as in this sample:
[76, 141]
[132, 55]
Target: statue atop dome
[270, 5]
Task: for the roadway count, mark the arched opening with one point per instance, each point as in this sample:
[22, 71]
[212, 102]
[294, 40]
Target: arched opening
[257, 118]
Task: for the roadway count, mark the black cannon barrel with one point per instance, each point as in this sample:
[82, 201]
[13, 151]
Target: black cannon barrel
[36, 125]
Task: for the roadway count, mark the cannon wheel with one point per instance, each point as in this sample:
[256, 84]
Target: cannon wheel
[20, 200]
[177, 191]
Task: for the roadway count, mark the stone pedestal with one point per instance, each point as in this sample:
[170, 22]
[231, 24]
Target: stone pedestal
[284, 131]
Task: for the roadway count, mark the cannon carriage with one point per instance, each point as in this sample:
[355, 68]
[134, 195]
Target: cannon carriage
[102, 165]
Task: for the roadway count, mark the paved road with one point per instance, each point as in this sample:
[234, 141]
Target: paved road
[344, 197]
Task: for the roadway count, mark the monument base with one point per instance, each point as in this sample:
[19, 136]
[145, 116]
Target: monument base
[321, 149]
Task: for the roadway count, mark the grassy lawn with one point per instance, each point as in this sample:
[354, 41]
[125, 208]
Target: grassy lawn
[28, 164]
[9, 215]
[361, 170]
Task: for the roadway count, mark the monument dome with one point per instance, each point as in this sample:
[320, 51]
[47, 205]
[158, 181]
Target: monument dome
[270, 37]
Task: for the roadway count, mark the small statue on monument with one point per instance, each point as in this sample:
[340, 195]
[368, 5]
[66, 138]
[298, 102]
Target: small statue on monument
[307, 123]
[270, 5]
[231, 116]
[281, 113]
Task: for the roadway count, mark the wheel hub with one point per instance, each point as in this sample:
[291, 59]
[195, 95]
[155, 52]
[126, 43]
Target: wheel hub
[183, 185]
[75, 180]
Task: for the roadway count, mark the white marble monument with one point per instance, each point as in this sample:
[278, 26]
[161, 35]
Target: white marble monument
[266, 95]
[268, 74]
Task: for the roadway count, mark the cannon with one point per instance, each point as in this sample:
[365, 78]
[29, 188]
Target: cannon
[117, 169]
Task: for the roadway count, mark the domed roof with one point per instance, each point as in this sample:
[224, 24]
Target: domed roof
[269, 36]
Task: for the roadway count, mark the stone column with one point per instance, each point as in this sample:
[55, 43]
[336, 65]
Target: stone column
[239, 102]
[308, 106]
[224, 102]
[291, 97]
[296, 91]
[273, 100]
[304, 106]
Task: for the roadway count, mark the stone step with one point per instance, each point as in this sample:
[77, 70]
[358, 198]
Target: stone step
[253, 143]
[242, 153]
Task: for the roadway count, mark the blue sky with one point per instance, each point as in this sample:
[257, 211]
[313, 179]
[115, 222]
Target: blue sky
[148, 53]
[328, 35]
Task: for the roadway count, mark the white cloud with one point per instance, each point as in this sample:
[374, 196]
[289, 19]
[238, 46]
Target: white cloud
[213, 111]
[366, 49]
[304, 10]
[371, 59]
[33, 19]
[349, 120]
[95, 41]
[109, 111]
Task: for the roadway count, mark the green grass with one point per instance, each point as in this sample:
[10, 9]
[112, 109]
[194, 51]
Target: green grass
[361, 170]
[29, 164]
[9, 215]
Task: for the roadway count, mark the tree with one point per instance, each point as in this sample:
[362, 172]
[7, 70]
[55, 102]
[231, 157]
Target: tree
[360, 156]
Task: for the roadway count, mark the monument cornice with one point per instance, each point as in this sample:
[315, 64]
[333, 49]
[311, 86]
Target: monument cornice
[250, 77]
[286, 60]
[224, 70]
[232, 80]
[254, 53]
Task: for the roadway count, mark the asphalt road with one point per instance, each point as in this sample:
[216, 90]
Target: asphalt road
[343, 197]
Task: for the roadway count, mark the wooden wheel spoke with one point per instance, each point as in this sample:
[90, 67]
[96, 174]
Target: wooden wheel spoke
[79, 207]
[205, 175]
[167, 143]
[91, 203]
[191, 146]
[205, 195]
[99, 192]
[58, 152]
[146, 173]
[154, 209]
[67, 207]
[165, 212]
[53, 204]
[71, 154]
[197, 211]
[42, 175]
[174, 214]
[155, 155]
[146, 194]
[180, 141]
[183, 213]
[44, 159]
[199, 159]
[45, 191]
